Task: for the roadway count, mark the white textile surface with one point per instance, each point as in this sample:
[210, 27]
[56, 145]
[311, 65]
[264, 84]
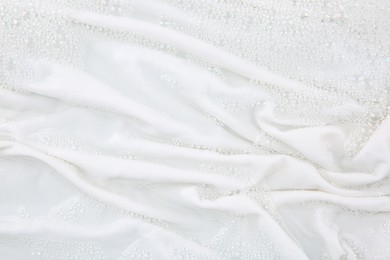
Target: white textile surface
[194, 129]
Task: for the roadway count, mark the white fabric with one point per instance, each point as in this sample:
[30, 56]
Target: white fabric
[194, 129]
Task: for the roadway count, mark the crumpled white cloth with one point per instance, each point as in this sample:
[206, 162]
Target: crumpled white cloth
[194, 130]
